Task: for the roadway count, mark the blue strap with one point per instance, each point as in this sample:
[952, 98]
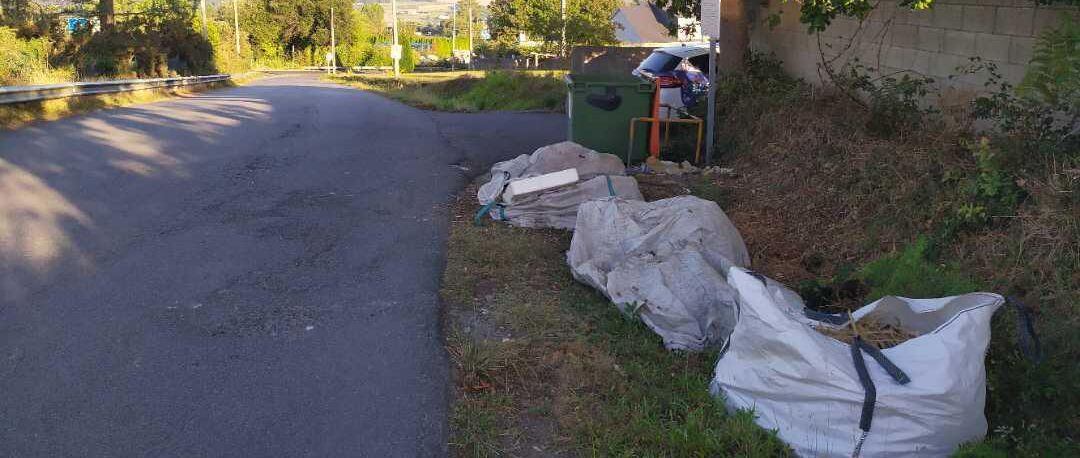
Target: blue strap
[610, 187]
[483, 211]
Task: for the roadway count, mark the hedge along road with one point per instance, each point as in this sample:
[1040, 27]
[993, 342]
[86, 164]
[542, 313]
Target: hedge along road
[245, 272]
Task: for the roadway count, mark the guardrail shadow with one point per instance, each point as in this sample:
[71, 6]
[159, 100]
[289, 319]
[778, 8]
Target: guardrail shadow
[55, 177]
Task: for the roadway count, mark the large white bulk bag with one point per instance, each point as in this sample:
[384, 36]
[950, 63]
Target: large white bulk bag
[806, 385]
[664, 261]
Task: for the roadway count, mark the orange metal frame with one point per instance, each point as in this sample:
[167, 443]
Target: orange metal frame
[655, 127]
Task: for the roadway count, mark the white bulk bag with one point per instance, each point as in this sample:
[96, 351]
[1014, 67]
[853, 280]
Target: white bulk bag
[805, 385]
[558, 208]
[549, 159]
[663, 261]
[601, 175]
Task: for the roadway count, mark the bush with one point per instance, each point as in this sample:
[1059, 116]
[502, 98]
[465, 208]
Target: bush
[26, 61]
[894, 101]
[910, 274]
[1053, 77]
[745, 97]
[516, 91]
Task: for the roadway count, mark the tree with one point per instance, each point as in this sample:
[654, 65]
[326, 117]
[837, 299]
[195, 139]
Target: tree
[587, 21]
[735, 31]
[371, 17]
[505, 19]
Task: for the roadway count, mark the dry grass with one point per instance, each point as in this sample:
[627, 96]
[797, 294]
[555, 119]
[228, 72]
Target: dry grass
[810, 187]
[817, 198]
[545, 366]
[879, 334]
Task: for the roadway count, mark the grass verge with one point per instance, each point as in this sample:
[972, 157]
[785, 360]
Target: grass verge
[546, 366]
[16, 115]
[468, 91]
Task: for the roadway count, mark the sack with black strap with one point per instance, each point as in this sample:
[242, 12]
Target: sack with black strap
[827, 398]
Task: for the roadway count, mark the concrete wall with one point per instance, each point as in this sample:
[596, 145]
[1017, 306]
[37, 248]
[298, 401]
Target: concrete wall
[932, 42]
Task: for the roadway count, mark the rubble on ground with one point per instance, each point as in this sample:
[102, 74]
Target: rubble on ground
[670, 168]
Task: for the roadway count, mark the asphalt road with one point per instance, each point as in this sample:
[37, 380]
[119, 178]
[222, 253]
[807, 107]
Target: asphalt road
[246, 272]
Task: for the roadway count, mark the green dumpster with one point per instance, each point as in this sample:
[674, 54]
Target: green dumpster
[600, 109]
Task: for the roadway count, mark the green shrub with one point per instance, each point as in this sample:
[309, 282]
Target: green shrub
[910, 274]
[894, 100]
[1053, 77]
[26, 61]
[516, 91]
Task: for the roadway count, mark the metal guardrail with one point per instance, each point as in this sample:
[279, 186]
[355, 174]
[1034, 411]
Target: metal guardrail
[21, 94]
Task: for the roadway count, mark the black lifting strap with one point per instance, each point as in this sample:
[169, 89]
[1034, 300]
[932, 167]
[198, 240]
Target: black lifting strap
[870, 391]
[1025, 331]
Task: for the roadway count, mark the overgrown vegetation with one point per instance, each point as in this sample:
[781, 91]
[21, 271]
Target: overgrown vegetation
[25, 61]
[472, 91]
[84, 40]
[834, 194]
[545, 365]
[46, 42]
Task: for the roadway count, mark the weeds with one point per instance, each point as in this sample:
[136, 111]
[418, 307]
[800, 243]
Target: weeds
[471, 91]
[895, 102]
[560, 369]
[849, 214]
[910, 274]
[26, 61]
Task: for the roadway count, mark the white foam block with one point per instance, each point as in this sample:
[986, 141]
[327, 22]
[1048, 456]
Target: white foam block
[540, 183]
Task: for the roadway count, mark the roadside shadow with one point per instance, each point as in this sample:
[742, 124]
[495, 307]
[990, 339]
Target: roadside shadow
[59, 178]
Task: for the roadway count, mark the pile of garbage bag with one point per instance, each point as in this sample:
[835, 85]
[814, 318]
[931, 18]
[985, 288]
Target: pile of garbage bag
[825, 398]
[599, 176]
[680, 265]
[664, 261]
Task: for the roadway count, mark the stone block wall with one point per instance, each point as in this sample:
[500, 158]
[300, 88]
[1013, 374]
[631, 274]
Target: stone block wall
[933, 42]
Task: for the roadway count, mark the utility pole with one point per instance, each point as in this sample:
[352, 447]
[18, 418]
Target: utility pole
[202, 7]
[564, 27]
[397, 47]
[470, 37]
[333, 42]
[236, 24]
[453, 36]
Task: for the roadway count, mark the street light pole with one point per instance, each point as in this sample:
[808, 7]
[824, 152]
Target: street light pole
[453, 35]
[470, 37]
[564, 27]
[333, 42]
[236, 25]
[397, 57]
